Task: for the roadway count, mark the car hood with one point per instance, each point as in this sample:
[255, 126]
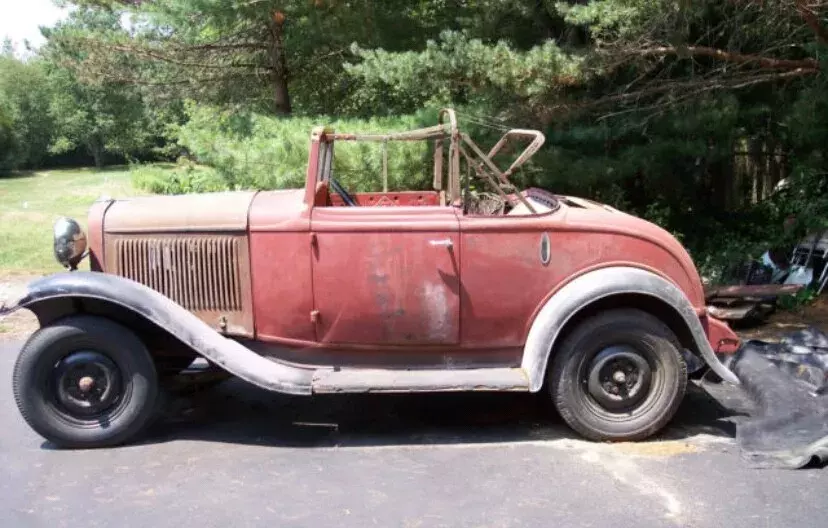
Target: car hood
[222, 211]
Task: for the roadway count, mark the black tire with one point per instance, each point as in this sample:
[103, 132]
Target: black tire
[583, 377]
[113, 408]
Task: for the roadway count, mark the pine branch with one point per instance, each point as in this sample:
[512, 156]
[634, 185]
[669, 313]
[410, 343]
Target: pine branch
[698, 87]
[812, 20]
[224, 47]
[731, 57]
[148, 53]
[177, 82]
[660, 95]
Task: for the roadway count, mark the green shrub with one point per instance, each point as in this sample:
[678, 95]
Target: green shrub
[253, 151]
[7, 141]
[177, 179]
[797, 301]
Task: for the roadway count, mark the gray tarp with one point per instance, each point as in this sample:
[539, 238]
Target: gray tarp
[788, 382]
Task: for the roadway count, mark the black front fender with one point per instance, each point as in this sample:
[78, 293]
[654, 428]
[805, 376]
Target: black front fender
[170, 317]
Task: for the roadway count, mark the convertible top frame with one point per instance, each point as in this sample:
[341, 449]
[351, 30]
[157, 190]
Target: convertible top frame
[448, 139]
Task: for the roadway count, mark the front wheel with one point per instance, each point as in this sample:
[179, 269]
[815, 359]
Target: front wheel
[85, 382]
[618, 376]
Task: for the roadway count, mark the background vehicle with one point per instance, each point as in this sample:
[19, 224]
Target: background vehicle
[319, 290]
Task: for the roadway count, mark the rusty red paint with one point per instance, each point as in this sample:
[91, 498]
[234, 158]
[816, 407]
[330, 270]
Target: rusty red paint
[500, 284]
[721, 337]
[95, 236]
[387, 276]
[280, 261]
[401, 273]
[282, 288]
[312, 175]
[405, 198]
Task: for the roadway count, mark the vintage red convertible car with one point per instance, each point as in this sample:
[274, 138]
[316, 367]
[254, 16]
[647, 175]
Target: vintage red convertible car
[319, 290]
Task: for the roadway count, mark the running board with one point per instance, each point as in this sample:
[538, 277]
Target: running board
[428, 380]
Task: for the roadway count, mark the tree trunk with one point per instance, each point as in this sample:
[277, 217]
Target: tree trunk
[278, 64]
[756, 156]
[772, 171]
[97, 151]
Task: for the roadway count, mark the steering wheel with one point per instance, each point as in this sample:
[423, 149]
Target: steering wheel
[342, 193]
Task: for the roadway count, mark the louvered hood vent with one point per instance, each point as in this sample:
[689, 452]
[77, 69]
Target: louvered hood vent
[207, 274]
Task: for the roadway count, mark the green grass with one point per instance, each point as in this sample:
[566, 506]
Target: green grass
[31, 202]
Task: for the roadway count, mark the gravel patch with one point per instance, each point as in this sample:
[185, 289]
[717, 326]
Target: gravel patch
[21, 323]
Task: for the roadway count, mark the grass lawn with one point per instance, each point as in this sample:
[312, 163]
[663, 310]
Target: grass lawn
[31, 202]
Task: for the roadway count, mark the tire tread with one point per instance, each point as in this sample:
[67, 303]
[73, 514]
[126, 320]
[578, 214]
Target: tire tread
[105, 331]
[567, 352]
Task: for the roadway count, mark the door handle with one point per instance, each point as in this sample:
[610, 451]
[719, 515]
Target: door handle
[447, 243]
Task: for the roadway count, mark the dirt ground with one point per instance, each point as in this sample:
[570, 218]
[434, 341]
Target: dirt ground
[20, 324]
[785, 322]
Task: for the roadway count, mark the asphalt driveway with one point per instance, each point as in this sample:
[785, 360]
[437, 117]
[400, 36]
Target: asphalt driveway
[238, 456]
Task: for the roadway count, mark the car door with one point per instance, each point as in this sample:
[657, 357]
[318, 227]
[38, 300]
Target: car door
[509, 266]
[386, 275]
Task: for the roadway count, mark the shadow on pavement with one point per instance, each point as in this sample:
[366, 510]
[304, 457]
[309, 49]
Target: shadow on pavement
[238, 413]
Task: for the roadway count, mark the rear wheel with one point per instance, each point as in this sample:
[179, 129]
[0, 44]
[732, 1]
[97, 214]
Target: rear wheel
[85, 382]
[618, 376]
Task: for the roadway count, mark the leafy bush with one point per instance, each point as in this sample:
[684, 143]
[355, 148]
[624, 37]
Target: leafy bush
[797, 301]
[7, 141]
[253, 151]
[181, 179]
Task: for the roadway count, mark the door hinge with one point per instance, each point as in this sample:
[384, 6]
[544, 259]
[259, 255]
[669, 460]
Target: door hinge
[314, 316]
[313, 239]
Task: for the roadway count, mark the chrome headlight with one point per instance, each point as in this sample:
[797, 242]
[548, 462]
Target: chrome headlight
[70, 243]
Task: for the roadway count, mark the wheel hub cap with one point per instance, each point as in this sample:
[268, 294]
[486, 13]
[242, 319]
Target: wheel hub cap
[619, 378]
[86, 383]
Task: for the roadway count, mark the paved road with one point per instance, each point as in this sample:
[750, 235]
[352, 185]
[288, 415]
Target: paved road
[239, 456]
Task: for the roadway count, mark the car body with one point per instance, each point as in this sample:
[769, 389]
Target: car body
[317, 290]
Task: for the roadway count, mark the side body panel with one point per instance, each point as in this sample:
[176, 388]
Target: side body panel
[280, 262]
[387, 275]
[506, 282]
[283, 258]
[282, 286]
[503, 280]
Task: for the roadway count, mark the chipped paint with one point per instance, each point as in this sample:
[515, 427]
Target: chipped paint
[387, 286]
[387, 274]
[436, 305]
